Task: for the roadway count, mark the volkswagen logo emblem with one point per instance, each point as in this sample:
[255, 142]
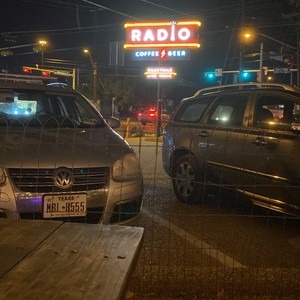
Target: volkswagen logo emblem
[63, 178]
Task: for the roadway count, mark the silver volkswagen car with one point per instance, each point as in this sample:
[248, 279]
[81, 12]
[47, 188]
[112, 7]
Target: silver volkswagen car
[61, 160]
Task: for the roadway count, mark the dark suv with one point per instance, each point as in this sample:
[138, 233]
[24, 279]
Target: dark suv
[243, 137]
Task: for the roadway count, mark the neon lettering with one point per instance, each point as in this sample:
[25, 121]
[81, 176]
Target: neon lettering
[148, 36]
[136, 35]
[184, 34]
[162, 34]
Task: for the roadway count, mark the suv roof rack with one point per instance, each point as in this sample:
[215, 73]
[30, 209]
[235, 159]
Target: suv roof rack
[245, 86]
[26, 78]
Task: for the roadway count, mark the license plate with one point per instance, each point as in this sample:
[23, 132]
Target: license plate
[64, 205]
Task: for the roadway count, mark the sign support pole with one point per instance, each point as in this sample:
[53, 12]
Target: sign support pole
[158, 108]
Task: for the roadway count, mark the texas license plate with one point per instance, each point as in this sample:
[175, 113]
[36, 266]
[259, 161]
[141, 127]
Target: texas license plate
[64, 205]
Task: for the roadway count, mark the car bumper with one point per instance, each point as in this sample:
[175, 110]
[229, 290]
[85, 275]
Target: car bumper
[119, 203]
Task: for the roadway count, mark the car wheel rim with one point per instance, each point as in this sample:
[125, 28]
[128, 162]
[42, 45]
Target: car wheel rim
[185, 179]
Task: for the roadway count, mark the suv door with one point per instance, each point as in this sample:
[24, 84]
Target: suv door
[224, 134]
[270, 165]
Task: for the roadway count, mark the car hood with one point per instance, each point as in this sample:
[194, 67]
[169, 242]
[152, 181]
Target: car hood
[52, 148]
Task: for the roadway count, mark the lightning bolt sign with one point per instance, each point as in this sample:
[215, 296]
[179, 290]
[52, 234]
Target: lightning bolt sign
[163, 54]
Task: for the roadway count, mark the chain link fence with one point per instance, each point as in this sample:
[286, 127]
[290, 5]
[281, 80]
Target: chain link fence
[223, 248]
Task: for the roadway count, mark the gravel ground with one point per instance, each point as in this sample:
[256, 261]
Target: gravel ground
[169, 267]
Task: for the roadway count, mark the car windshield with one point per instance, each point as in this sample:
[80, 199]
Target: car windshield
[43, 108]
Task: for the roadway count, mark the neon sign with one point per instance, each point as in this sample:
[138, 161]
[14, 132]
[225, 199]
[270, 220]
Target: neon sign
[160, 54]
[160, 73]
[183, 34]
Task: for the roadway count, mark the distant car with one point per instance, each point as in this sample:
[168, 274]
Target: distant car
[243, 137]
[61, 160]
[150, 116]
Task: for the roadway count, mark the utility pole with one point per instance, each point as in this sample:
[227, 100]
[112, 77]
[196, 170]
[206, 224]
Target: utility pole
[295, 18]
[298, 57]
[95, 77]
[261, 62]
[241, 45]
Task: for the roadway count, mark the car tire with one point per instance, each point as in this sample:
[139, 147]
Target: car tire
[187, 180]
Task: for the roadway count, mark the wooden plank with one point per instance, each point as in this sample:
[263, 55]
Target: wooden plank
[78, 261]
[19, 238]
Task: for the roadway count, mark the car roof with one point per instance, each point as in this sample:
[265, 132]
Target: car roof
[37, 86]
[248, 86]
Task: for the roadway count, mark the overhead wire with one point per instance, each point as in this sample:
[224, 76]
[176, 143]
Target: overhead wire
[110, 9]
[90, 5]
[59, 4]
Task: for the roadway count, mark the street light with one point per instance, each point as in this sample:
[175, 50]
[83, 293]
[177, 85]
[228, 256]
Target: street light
[94, 65]
[249, 35]
[42, 43]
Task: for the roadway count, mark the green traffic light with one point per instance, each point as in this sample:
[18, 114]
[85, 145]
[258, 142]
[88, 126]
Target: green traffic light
[209, 75]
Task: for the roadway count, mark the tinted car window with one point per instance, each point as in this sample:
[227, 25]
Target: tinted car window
[47, 108]
[275, 110]
[229, 110]
[192, 111]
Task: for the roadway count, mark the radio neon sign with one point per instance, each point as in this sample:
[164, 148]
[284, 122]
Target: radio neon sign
[160, 73]
[174, 34]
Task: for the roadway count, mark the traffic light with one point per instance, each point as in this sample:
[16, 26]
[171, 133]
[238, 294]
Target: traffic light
[46, 73]
[27, 70]
[245, 75]
[36, 49]
[209, 75]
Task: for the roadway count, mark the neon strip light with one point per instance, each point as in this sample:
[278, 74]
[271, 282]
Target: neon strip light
[167, 23]
[176, 45]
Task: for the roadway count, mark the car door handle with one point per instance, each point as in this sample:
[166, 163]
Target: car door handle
[202, 134]
[259, 141]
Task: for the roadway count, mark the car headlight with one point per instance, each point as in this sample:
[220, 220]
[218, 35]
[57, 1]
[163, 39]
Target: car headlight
[127, 168]
[2, 176]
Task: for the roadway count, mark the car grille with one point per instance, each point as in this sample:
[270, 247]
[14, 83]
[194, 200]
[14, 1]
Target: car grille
[41, 180]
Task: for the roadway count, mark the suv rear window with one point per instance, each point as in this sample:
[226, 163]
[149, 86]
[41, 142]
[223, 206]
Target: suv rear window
[192, 111]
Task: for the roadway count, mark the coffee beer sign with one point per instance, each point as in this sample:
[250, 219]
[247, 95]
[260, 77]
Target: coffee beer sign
[175, 34]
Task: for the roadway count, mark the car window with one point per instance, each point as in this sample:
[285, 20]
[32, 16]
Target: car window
[276, 111]
[192, 111]
[229, 110]
[34, 107]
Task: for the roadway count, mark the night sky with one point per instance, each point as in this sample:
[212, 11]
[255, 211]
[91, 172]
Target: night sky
[69, 26]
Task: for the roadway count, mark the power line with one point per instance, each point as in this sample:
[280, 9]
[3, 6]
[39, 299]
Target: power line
[110, 9]
[59, 4]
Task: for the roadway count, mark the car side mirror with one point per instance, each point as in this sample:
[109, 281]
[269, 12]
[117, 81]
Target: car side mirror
[113, 122]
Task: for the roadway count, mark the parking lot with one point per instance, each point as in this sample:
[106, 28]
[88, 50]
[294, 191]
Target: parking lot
[225, 248]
